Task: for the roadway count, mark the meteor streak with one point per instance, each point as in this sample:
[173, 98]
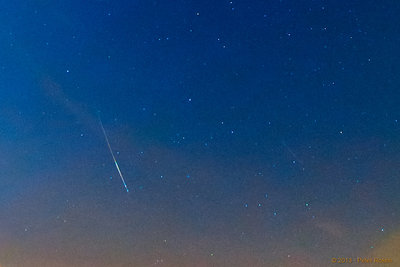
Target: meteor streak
[112, 154]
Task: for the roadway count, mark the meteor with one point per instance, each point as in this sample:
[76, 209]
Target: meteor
[112, 154]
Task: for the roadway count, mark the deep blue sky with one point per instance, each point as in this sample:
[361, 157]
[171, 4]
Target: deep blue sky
[250, 133]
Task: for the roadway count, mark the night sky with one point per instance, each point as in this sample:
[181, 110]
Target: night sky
[249, 133]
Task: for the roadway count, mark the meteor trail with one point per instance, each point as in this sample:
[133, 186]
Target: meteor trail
[112, 154]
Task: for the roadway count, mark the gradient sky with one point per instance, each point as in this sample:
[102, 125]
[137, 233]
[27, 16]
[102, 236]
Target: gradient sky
[249, 133]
